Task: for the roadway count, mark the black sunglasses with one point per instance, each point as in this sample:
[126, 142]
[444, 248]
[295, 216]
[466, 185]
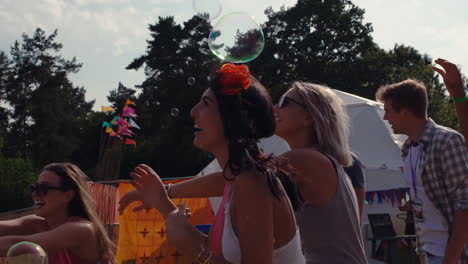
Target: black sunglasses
[284, 101]
[42, 188]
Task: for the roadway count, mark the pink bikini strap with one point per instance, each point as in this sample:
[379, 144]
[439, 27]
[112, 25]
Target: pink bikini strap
[218, 228]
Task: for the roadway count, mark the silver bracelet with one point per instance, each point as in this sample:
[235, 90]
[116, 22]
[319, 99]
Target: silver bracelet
[167, 187]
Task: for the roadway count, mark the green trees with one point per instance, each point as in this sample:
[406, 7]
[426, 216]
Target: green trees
[42, 112]
[47, 110]
[174, 54]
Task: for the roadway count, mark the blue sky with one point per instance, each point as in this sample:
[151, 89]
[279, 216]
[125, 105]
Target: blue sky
[106, 35]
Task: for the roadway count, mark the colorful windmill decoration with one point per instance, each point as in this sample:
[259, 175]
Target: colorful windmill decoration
[121, 124]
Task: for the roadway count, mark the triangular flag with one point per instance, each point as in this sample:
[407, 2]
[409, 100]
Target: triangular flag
[399, 196]
[403, 194]
[125, 131]
[368, 196]
[372, 197]
[392, 197]
[114, 120]
[109, 130]
[106, 108]
[122, 123]
[129, 102]
[379, 198]
[106, 124]
[130, 142]
[113, 134]
[382, 193]
[129, 112]
[133, 124]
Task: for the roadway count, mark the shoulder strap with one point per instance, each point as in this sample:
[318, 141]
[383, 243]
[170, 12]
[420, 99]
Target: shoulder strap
[218, 228]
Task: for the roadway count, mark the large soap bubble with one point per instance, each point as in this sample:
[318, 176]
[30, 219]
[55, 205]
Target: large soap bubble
[28, 252]
[236, 38]
[207, 9]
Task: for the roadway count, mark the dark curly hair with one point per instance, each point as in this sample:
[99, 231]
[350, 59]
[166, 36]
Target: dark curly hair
[248, 116]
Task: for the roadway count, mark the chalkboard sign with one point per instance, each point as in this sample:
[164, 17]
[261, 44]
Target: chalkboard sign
[381, 225]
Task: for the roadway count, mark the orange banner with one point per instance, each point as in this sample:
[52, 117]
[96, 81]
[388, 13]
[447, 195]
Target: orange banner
[142, 237]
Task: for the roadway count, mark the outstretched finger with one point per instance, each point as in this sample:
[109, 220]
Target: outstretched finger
[141, 171]
[137, 177]
[440, 71]
[137, 185]
[447, 65]
[147, 169]
[139, 208]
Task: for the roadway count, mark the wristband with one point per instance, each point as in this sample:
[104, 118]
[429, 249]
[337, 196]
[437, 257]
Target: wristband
[460, 99]
[167, 187]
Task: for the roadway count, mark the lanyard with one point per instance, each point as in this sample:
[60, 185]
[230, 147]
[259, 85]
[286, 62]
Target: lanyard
[414, 169]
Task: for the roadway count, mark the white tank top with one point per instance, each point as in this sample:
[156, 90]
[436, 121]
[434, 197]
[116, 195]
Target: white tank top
[290, 253]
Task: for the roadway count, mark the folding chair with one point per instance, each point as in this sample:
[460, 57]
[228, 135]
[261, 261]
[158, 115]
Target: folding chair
[382, 229]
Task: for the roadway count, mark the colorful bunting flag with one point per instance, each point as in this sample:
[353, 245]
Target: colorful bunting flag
[106, 124]
[113, 134]
[390, 195]
[128, 101]
[121, 123]
[106, 108]
[130, 142]
[129, 112]
[125, 131]
[114, 120]
[133, 124]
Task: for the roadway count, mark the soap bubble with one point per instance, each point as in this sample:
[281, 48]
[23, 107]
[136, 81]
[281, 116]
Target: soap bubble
[236, 38]
[191, 81]
[29, 251]
[174, 112]
[207, 9]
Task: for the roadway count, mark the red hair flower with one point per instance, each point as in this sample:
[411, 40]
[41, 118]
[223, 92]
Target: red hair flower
[234, 78]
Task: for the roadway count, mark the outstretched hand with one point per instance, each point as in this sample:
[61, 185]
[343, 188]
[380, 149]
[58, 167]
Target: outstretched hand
[151, 188]
[451, 76]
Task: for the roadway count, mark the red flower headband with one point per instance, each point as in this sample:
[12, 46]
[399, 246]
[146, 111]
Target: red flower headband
[234, 78]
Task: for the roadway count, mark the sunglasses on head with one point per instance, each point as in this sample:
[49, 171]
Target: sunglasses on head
[42, 188]
[284, 101]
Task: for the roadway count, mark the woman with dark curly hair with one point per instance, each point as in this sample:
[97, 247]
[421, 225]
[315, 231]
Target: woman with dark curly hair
[255, 222]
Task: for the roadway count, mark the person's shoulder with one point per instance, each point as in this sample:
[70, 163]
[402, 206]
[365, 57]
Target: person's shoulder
[443, 130]
[443, 134]
[37, 223]
[307, 155]
[80, 225]
[252, 182]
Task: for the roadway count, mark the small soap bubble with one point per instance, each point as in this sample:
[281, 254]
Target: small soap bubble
[28, 251]
[207, 9]
[191, 81]
[174, 112]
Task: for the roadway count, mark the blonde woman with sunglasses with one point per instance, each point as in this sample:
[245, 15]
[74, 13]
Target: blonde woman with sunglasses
[65, 223]
[311, 118]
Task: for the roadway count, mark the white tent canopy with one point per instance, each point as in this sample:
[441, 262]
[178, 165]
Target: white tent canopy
[373, 141]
